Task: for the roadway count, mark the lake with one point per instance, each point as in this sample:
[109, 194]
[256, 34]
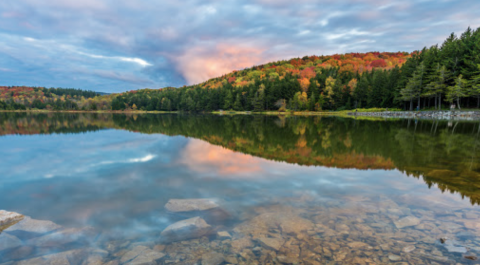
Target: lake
[244, 189]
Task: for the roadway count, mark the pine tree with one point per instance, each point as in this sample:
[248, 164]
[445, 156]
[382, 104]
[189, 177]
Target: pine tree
[228, 100]
[474, 87]
[457, 91]
[438, 85]
[238, 103]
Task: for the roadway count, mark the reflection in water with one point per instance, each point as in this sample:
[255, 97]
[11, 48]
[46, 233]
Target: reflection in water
[297, 190]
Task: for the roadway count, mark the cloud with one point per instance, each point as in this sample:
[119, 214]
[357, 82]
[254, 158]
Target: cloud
[204, 62]
[178, 43]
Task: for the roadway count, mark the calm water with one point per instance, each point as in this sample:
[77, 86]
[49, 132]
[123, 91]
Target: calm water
[298, 190]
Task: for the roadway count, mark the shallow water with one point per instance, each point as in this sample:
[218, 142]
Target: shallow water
[298, 190]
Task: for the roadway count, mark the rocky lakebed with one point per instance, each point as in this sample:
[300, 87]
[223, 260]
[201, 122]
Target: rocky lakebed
[301, 230]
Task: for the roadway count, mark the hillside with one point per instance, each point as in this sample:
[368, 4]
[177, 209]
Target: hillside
[23, 97]
[298, 83]
[432, 78]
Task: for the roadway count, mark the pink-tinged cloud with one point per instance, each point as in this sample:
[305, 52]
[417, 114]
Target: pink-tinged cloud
[199, 64]
[203, 157]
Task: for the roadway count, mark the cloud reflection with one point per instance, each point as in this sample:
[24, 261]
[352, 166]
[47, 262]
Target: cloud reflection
[210, 159]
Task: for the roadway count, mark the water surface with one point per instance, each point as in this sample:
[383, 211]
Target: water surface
[327, 190]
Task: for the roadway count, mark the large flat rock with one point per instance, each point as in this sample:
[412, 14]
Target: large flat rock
[210, 209]
[8, 218]
[141, 255]
[186, 229]
[62, 237]
[28, 228]
[407, 221]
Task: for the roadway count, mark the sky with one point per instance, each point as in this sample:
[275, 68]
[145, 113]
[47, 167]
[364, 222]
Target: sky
[121, 45]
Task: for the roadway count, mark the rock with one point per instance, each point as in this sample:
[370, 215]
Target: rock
[287, 260]
[223, 235]
[8, 242]
[407, 221]
[18, 253]
[358, 245]
[289, 224]
[8, 218]
[209, 209]
[451, 245]
[231, 260]
[112, 262]
[240, 244]
[28, 228]
[186, 229]
[470, 257]
[212, 258]
[130, 255]
[148, 257]
[141, 255]
[63, 237]
[71, 257]
[394, 257]
[408, 249]
[272, 243]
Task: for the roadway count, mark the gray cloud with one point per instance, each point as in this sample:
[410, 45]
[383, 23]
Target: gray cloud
[120, 45]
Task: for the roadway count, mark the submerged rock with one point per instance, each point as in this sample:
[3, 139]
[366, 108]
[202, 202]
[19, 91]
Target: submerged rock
[71, 257]
[288, 223]
[8, 218]
[62, 237]
[407, 221]
[8, 242]
[28, 228]
[209, 209]
[272, 243]
[451, 245]
[141, 255]
[212, 258]
[223, 235]
[186, 229]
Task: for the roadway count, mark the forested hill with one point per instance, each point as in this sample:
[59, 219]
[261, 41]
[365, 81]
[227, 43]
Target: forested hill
[23, 97]
[428, 79]
[308, 83]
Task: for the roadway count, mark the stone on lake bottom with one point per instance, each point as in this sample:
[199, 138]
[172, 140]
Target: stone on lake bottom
[71, 257]
[28, 228]
[408, 249]
[8, 242]
[209, 209]
[212, 258]
[394, 257]
[407, 221]
[272, 243]
[186, 229]
[141, 255]
[7, 218]
[223, 235]
[62, 237]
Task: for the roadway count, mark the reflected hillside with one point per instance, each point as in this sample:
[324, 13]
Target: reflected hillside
[439, 152]
[48, 123]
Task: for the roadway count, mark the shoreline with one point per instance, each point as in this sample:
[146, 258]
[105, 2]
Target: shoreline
[467, 115]
[439, 114]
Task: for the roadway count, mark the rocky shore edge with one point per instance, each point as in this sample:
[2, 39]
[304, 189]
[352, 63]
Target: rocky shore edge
[441, 114]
